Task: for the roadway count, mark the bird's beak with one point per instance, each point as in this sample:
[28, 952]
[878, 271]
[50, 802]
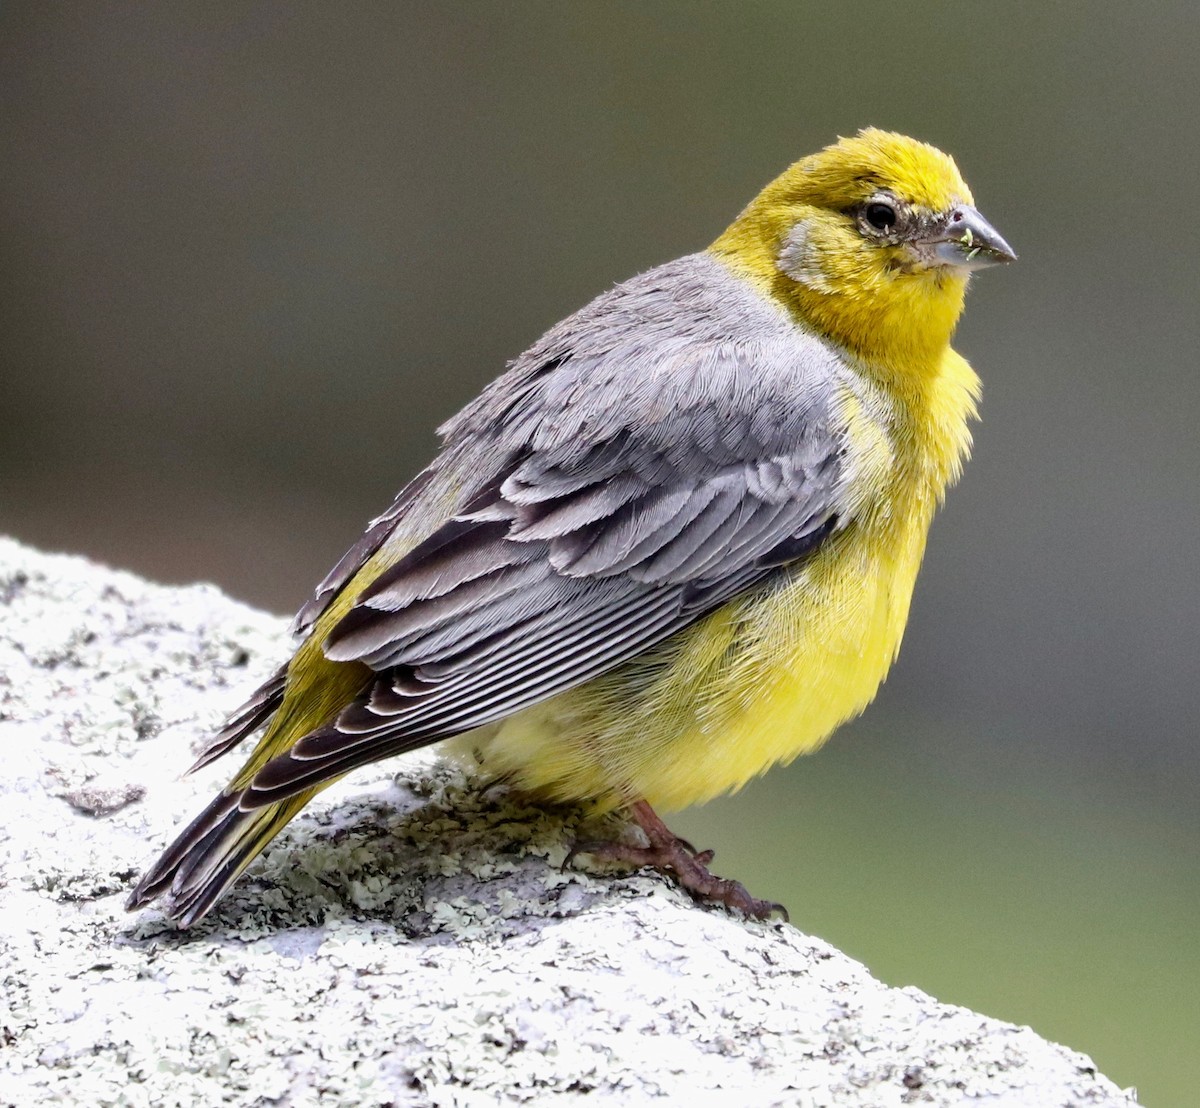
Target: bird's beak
[968, 241]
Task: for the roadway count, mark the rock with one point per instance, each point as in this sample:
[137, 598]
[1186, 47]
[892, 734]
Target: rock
[410, 939]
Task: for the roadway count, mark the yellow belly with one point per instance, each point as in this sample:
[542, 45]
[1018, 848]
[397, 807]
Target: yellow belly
[761, 681]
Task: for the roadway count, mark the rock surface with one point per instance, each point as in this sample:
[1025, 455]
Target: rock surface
[410, 939]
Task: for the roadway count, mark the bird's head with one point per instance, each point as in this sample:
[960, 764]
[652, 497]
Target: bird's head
[871, 241]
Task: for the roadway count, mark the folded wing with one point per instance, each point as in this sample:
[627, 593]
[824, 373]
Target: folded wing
[575, 553]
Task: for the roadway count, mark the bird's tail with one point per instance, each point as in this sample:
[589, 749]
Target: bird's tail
[211, 852]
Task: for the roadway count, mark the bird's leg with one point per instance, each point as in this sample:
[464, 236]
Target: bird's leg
[666, 851]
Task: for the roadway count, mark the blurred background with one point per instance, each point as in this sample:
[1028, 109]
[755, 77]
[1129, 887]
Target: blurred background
[251, 255]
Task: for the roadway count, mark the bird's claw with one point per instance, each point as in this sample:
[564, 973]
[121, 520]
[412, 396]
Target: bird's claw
[668, 853]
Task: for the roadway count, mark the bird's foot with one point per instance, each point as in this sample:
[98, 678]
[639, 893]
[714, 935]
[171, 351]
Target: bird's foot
[667, 852]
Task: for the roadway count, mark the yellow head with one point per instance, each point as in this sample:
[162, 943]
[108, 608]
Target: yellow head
[870, 241]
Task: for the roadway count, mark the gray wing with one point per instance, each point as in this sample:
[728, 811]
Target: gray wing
[620, 491]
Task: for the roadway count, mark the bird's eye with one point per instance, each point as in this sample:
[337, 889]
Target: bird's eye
[880, 215]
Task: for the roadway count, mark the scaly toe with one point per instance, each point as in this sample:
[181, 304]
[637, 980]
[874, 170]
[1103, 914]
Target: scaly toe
[611, 852]
[668, 853]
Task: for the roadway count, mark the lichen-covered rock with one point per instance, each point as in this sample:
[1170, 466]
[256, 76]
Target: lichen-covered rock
[410, 939]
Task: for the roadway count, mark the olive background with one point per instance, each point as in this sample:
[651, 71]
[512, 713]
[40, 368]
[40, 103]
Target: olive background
[252, 254]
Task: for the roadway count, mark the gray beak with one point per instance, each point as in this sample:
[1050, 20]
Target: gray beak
[968, 241]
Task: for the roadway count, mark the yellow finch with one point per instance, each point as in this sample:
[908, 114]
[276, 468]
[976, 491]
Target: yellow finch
[673, 545]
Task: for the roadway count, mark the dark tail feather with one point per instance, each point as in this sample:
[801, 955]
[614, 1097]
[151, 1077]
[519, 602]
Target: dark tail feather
[248, 718]
[296, 771]
[211, 853]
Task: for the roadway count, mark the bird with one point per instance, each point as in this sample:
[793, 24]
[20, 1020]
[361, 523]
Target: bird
[672, 545]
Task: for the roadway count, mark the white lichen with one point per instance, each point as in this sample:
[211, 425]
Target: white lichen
[410, 939]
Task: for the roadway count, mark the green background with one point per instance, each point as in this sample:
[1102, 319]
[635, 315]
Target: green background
[251, 254]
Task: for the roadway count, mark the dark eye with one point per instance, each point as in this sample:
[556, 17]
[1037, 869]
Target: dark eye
[880, 215]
